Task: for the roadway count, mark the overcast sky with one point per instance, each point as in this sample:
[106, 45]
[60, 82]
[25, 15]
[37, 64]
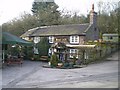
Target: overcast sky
[10, 9]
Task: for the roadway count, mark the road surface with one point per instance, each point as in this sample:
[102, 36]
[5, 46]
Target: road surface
[103, 74]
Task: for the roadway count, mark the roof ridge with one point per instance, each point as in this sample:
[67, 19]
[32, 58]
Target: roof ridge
[62, 25]
[88, 28]
[33, 28]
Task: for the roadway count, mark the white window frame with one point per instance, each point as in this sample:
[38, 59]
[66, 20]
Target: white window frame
[74, 52]
[86, 55]
[74, 39]
[51, 39]
[110, 37]
[36, 39]
[50, 51]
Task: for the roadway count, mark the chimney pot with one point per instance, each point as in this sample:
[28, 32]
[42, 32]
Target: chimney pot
[92, 7]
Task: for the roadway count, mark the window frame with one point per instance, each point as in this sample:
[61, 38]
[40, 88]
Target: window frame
[110, 37]
[73, 51]
[74, 39]
[51, 39]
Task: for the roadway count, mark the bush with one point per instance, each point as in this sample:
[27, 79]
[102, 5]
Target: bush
[74, 60]
[59, 61]
[36, 57]
[54, 60]
[43, 47]
[28, 51]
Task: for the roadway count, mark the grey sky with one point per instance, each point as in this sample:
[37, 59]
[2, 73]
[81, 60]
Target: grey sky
[10, 9]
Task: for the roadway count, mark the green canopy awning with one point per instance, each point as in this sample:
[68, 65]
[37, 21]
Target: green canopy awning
[8, 38]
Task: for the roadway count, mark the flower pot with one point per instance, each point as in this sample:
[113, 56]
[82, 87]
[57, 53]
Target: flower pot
[60, 64]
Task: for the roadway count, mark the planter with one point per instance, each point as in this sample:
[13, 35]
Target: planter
[32, 58]
[60, 64]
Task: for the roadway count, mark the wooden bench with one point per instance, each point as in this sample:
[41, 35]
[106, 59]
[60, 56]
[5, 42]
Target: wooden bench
[44, 58]
[13, 60]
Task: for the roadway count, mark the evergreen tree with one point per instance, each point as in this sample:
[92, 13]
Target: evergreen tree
[46, 12]
[43, 46]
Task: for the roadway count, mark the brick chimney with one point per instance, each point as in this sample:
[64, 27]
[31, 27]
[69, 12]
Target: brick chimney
[93, 16]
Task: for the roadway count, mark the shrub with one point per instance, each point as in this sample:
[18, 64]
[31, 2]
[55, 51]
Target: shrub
[54, 60]
[59, 61]
[28, 51]
[74, 59]
[43, 47]
[36, 57]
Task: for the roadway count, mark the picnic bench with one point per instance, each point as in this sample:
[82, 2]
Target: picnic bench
[14, 60]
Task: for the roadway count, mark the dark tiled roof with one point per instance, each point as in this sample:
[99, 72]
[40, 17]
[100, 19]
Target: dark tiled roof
[30, 31]
[112, 34]
[72, 29]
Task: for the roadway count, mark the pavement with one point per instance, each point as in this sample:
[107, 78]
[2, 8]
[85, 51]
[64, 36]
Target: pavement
[103, 74]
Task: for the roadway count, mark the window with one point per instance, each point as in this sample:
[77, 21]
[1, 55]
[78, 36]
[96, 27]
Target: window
[110, 37]
[50, 50]
[73, 52]
[86, 55]
[51, 39]
[36, 39]
[74, 39]
[95, 29]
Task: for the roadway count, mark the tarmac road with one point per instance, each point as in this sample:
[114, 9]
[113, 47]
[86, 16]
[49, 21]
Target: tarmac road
[32, 75]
